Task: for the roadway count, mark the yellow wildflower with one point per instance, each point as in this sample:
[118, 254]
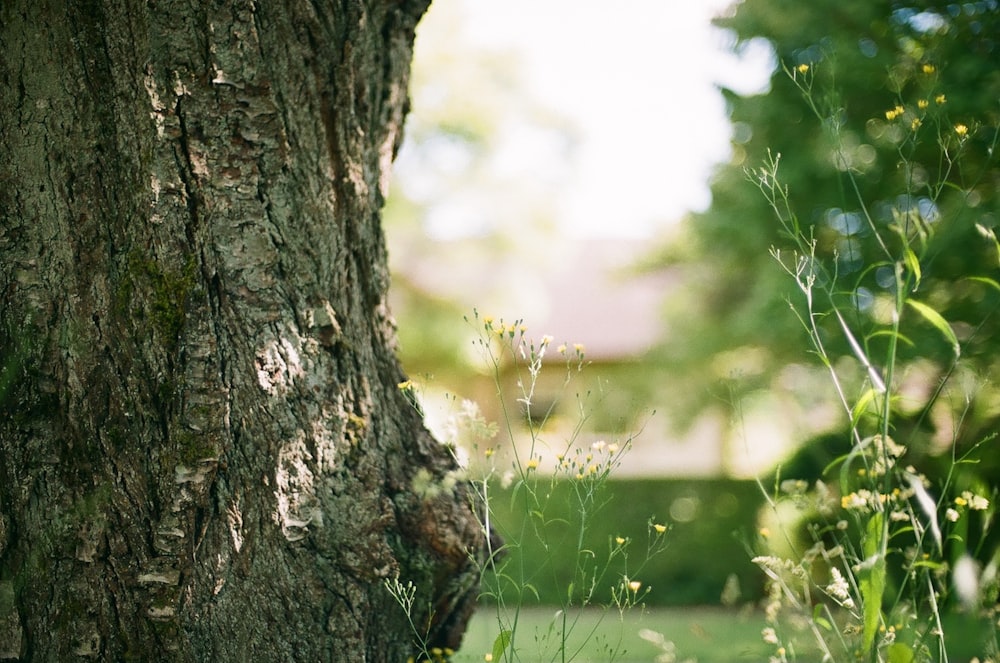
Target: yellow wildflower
[961, 130]
[923, 103]
[803, 68]
[620, 540]
[660, 529]
[532, 464]
[915, 124]
[893, 113]
[929, 68]
[940, 99]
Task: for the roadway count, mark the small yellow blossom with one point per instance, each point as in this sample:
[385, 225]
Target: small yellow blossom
[803, 68]
[405, 386]
[613, 448]
[858, 500]
[915, 124]
[488, 320]
[620, 540]
[579, 475]
[764, 532]
[561, 349]
[488, 658]
[546, 339]
[660, 529]
[923, 103]
[929, 68]
[522, 328]
[893, 113]
[940, 100]
[961, 130]
[634, 585]
[960, 501]
[489, 452]
[532, 464]
[579, 347]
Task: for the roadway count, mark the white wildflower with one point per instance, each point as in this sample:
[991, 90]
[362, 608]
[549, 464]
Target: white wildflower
[839, 589]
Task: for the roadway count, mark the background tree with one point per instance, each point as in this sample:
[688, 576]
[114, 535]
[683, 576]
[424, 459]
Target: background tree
[471, 217]
[731, 326]
[204, 454]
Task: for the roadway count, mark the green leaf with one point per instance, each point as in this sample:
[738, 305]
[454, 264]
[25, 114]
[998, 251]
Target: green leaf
[933, 317]
[891, 334]
[820, 620]
[872, 581]
[985, 280]
[500, 644]
[900, 653]
[913, 265]
[861, 406]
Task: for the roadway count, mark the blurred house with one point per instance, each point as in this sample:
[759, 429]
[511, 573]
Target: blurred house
[585, 293]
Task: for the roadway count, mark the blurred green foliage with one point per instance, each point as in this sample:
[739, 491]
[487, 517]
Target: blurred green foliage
[848, 159]
[710, 525]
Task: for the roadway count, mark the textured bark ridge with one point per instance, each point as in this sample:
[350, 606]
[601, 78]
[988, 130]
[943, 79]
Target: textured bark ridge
[204, 452]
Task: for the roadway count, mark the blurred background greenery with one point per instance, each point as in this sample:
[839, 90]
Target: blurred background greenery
[686, 314]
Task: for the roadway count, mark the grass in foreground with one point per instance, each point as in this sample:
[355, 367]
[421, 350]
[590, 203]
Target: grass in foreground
[705, 635]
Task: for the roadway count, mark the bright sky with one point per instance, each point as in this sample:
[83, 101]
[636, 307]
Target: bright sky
[637, 80]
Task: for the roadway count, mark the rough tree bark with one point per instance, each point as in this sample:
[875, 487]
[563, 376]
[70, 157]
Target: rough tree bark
[205, 455]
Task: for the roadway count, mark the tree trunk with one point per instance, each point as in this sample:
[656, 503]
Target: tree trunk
[205, 455]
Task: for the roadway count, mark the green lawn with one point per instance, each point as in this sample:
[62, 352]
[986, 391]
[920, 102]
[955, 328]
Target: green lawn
[701, 635]
[705, 635]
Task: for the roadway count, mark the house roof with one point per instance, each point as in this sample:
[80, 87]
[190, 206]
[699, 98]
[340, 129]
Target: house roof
[583, 291]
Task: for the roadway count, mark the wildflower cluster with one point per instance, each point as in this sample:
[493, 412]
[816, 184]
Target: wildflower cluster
[538, 462]
[868, 566]
[597, 462]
